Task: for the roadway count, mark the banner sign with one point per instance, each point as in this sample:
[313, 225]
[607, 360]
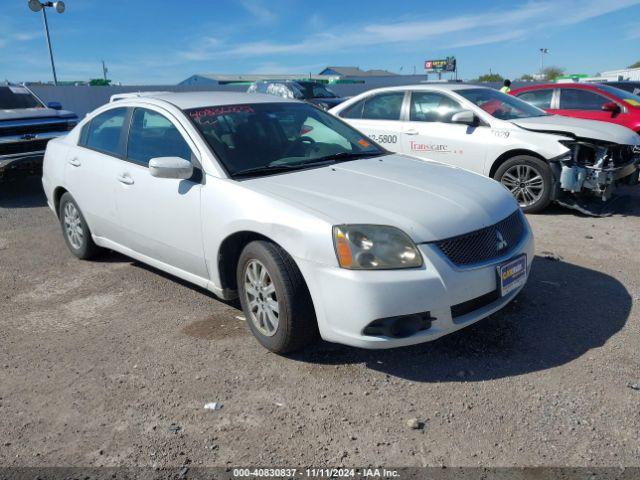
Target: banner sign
[437, 66]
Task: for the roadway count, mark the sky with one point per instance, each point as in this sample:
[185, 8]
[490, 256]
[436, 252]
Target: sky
[164, 42]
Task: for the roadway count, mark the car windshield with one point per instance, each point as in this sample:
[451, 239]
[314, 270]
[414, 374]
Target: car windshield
[315, 90]
[628, 97]
[500, 105]
[266, 138]
[13, 98]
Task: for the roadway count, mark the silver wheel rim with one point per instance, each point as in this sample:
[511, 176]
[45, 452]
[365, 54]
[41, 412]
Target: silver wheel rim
[525, 183]
[260, 295]
[73, 226]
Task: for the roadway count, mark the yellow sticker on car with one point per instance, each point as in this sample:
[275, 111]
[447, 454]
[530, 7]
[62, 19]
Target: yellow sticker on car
[630, 101]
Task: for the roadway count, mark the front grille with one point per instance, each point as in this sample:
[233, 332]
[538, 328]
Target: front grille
[23, 147]
[485, 244]
[35, 129]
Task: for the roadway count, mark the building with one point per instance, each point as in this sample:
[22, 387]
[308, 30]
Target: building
[355, 72]
[622, 74]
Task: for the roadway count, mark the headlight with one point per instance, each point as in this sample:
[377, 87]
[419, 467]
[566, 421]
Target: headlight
[374, 247]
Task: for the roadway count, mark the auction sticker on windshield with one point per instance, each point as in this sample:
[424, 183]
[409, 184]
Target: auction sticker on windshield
[513, 274]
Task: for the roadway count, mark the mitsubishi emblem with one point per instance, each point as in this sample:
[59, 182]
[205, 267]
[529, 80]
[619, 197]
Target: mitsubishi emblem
[501, 243]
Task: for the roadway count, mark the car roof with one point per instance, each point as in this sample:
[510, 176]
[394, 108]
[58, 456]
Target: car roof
[432, 86]
[188, 100]
[583, 86]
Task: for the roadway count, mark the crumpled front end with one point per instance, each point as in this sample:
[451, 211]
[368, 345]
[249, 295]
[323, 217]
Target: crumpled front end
[596, 167]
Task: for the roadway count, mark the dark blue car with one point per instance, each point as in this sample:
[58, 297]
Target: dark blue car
[26, 125]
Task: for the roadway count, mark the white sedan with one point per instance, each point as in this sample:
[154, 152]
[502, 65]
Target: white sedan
[538, 157]
[316, 228]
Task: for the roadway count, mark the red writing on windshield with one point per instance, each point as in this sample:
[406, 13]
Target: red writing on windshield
[221, 110]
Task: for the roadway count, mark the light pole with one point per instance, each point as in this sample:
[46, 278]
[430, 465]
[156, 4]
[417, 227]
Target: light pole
[543, 52]
[36, 6]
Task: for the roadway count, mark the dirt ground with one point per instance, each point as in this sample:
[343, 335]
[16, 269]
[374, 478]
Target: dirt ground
[110, 363]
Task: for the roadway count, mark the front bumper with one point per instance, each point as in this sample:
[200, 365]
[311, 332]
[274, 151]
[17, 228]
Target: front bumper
[346, 301]
[30, 162]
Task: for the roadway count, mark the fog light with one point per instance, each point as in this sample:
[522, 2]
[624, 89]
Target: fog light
[399, 327]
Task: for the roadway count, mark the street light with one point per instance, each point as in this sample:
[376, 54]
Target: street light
[543, 52]
[36, 6]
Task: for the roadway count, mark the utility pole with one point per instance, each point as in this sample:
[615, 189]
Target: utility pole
[543, 52]
[36, 6]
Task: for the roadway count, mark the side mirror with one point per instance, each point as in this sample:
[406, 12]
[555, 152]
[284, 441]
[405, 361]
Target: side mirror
[612, 107]
[170, 167]
[54, 105]
[465, 117]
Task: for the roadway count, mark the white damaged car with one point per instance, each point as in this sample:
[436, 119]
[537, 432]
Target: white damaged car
[315, 227]
[538, 157]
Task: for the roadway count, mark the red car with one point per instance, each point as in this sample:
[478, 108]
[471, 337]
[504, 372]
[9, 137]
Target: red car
[584, 100]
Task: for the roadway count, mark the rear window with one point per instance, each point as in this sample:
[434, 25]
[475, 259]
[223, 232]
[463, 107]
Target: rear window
[13, 98]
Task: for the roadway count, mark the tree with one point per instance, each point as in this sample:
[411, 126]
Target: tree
[527, 78]
[551, 73]
[490, 77]
[99, 82]
[635, 65]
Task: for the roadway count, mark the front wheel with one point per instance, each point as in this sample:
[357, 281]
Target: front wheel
[275, 299]
[529, 180]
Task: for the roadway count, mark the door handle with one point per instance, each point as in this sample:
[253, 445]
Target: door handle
[74, 162]
[126, 179]
[411, 132]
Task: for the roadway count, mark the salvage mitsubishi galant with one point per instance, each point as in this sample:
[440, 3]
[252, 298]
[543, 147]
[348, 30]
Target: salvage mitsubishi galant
[315, 227]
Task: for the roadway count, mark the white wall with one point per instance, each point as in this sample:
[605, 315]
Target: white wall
[622, 74]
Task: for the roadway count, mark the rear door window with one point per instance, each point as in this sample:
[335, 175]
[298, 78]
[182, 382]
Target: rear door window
[539, 98]
[383, 106]
[104, 132]
[354, 111]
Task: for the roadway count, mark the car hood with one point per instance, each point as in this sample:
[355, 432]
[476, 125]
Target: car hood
[578, 127]
[428, 200]
[27, 113]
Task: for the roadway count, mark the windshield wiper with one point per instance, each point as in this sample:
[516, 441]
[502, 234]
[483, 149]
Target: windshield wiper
[279, 168]
[345, 156]
[289, 167]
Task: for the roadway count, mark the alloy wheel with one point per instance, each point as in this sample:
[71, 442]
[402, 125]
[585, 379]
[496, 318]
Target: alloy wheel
[261, 298]
[525, 183]
[73, 226]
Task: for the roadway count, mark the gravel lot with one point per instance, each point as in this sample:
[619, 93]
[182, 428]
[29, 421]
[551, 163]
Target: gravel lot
[110, 363]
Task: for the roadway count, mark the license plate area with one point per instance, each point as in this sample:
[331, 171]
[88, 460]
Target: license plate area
[512, 274]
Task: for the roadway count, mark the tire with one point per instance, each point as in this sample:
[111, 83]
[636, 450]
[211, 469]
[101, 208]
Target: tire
[294, 326]
[75, 230]
[516, 171]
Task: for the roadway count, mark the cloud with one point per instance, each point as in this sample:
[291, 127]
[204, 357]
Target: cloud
[25, 37]
[484, 40]
[259, 11]
[459, 31]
